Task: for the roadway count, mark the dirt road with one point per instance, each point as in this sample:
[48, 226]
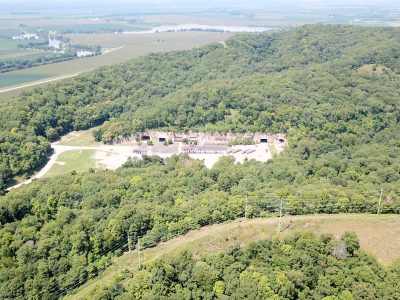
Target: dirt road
[38, 82]
[58, 149]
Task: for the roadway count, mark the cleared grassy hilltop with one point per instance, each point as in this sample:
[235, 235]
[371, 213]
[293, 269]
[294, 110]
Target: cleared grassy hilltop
[379, 236]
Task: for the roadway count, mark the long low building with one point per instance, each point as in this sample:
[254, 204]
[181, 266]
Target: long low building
[203, 138]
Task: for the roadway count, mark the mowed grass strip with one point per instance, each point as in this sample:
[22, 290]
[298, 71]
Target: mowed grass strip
[74, 160]
[79, 138]
[379, 235]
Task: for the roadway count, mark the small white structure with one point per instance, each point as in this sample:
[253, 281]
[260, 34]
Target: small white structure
[26, 36]
[54, 43]
[83, 53]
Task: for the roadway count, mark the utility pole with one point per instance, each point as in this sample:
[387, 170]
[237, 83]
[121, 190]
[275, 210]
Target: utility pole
[379, 203]
[280, 217]
[245, 207]
[129, 243]
[138, 250]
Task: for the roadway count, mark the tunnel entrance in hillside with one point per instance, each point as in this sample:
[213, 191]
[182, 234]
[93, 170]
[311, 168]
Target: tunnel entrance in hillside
[263, 141]
[145, 138]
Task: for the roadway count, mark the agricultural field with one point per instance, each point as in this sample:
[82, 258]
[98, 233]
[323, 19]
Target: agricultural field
[12, 25]
[9, 50]
[283, 17]
[119, 48]
[12, 79]
[254, 19]
[375, 232]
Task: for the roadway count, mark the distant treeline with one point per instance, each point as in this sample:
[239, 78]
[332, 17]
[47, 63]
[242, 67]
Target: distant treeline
[18, 64]
[47, 58]
[96, 49]
[41, 44]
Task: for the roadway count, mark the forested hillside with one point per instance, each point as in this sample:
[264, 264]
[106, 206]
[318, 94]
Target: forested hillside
[298, 267]
[58, 232]
[191, 87]
[333, 90]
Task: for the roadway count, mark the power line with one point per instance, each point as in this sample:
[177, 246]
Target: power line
[102, 253]
[59, 292]
[304, 209]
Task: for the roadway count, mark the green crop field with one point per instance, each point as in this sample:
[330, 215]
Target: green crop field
[6, 44]
[20, 54]
[9, 48]
[18, 77]
[128, 46]
[9, 32]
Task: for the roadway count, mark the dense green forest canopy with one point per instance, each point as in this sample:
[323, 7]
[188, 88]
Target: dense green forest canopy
[332, 89]
[297, 267]
[58, 232]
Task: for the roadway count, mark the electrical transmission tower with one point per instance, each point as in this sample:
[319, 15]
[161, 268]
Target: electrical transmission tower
[138, 251]
[280, 216]
[379, 203]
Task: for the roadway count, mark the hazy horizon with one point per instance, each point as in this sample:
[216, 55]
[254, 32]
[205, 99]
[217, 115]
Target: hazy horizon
[170, 5]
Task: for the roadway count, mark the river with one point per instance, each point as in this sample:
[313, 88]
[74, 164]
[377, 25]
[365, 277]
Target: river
[200, 27]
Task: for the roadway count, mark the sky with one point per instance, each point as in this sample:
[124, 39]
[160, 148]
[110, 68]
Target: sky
[195, 2]
[170, 5]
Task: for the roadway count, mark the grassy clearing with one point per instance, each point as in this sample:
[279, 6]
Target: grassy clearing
[74, 160]
[373, 69]
[79, 138]
[133, 46]
[378, 236]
